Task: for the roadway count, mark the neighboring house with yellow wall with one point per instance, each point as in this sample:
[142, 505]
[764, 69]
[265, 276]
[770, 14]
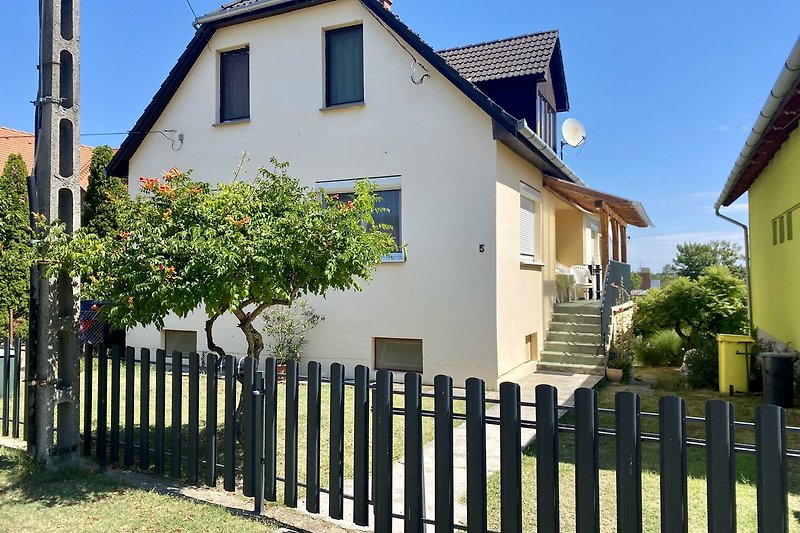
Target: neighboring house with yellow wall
[768, 170]
[461, 144]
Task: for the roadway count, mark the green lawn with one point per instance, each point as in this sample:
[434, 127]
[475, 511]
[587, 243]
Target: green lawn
[74, 499]
[659, 382]
[427, 424]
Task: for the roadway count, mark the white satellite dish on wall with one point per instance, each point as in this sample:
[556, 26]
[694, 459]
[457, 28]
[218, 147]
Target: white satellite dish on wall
[573, 132]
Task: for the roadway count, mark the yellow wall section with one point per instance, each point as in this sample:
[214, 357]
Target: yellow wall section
[569, 237]
[774, 268]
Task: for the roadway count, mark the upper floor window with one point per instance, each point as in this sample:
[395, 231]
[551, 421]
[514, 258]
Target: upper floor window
[234, 85]
[344, 66]
[546, 121]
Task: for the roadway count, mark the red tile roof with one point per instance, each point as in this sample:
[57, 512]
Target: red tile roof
[20, 142]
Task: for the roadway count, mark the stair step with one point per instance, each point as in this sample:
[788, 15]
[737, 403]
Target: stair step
[577, 348]
[574, 327]
[571, 308]
[574, 336]
[552, 356]
[576, 318]
[569, 368]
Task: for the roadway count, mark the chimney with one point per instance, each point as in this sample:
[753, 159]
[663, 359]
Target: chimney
[387, 4]
[646, 278]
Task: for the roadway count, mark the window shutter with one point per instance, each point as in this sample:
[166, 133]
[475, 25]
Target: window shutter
[527, 228]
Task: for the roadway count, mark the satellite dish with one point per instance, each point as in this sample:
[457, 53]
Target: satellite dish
[573, 132]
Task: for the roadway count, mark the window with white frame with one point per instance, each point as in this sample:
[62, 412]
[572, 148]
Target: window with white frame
[529, 200]
[389, 191]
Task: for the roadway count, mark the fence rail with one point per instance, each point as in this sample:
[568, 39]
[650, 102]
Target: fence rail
[173, 416]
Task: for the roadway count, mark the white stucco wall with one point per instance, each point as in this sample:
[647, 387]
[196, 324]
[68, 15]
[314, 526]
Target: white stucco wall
[431, 135]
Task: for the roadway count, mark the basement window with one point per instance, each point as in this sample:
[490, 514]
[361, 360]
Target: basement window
[402, 355]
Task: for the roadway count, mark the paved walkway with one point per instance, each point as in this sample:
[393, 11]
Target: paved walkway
[566, 385]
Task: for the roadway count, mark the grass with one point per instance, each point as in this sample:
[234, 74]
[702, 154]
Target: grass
[75, 499]
[398, 448]
[658, 382]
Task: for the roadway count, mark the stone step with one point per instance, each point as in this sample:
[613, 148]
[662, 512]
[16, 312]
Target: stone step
[552, 356]
[577, 348]
[585, 309]
[576, 318]
[574, 327]
[574, 336]
[569, 368]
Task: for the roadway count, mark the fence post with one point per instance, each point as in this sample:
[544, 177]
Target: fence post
[336, 479]
[15, 380]
[271, 429]
[443, 453]
[177, 400]
[193, 469]
[361, 447]
[771, 469]
[144, 410]
[629, 462]
[547, 509]
[258, 442]
[672, 437]
[88, 351]
[382, 451]
[314, 406]
[292, 407]
[129, 400]
[721, 466]
[414, 470]
[587, 476]
[6, 385]
[229, 451]
[115, 401]
[161, 411]
[510, 459]
[212, 387]
[248, 461]
[102, 391]
[476, 456]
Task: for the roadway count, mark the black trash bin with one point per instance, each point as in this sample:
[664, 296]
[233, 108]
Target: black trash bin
[777, 370]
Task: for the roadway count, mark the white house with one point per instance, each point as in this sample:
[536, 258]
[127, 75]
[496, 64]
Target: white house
[460, 142]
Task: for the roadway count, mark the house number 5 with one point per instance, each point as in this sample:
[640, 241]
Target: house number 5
[481, 248]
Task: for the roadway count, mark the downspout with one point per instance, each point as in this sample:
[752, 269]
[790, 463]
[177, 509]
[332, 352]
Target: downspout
[746, 264]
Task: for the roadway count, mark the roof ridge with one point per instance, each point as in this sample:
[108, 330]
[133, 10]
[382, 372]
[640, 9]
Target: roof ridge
[495, 41]
[15, 130]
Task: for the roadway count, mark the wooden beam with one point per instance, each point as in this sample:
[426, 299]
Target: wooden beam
[603, 237]
[624, 238]
[615, 239]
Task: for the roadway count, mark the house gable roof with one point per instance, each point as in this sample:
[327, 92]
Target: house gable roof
[523, 56]
[21, 142]
[246, 10]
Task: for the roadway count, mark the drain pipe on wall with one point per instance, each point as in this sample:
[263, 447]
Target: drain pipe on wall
[746, 264]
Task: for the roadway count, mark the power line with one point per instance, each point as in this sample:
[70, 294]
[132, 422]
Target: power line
[108, 134]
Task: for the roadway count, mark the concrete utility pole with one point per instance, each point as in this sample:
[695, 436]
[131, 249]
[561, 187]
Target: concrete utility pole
[52, 414]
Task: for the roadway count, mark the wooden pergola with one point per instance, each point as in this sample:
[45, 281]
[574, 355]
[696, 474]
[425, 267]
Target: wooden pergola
[615, 214]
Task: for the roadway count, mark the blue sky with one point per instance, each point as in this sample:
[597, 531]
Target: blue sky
[667, 91]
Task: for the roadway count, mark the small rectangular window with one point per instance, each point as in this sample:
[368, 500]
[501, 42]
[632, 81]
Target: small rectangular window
[180, 341]
[234, 85]
[789, 231]
[528, 197]
[781, 229]
[404, 355]
[774, 232]
[344, 66]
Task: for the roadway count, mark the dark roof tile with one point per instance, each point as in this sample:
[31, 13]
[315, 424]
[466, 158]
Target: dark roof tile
[524, 55]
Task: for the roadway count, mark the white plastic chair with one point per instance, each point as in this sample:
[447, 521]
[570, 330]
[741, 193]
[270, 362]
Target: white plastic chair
[584, 281]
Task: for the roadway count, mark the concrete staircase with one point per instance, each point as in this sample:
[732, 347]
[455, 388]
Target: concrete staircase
[573, 340]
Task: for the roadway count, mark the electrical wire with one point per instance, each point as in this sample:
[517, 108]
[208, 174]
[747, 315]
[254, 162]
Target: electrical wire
[200, 27]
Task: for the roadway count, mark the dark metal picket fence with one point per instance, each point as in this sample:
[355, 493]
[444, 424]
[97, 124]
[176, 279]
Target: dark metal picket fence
[12, 357]
[249, 462]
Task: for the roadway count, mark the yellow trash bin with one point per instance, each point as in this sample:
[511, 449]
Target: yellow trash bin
[734, 362]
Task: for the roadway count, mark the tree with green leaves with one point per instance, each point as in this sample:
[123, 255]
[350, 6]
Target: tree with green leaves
[106, 196]
[238, 248]
[694, 258]
[15, 251]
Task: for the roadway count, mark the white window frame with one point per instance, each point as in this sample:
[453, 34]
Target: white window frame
[388, 183]
[528, 196]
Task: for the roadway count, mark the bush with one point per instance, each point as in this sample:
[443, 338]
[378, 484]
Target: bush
[621, 353]
[662, 348]
[287, 326]
[702, 363]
